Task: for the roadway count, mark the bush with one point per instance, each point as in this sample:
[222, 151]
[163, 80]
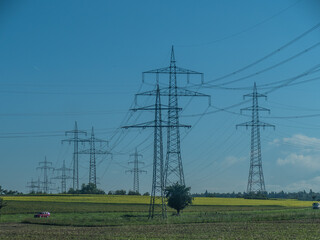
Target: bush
[133, 193]
[120, 192]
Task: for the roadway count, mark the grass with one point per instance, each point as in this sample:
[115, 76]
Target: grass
[126, 217]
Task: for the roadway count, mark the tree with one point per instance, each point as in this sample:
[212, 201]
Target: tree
[178, 197]
[120, 192]
[90, 188]
[133, 193]
[2, 205]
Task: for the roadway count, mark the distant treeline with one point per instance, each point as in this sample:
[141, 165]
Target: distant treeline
[302, 195]
[90, 188]
[9, 192]
[124, 192]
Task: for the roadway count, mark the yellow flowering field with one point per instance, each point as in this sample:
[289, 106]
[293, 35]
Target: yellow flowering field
[250, 202]
[132, 199]
[85, 198]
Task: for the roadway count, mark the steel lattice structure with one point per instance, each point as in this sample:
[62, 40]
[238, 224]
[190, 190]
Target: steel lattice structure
[93, 152]
[75, 140]
[256, 179]
[46, 166]
[173, 166]
[158, 183]
[136, 171]
[63, 176]
[34, 186]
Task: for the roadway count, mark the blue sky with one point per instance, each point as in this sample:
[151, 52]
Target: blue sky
[67, 61]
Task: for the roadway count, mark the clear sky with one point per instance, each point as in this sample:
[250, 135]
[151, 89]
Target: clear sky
[67, 61]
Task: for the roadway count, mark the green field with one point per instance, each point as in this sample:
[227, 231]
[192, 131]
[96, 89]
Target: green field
[126, 217]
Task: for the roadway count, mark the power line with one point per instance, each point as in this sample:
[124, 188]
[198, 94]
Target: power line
[62, 114]
[266, 85]
[272, 66]
[285, 83]
[268, 55]
[246, 29]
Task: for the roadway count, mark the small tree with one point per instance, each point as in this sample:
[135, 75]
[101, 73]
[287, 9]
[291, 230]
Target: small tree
[178, 197]
[2, 205]
[133, 193]
[120, 192]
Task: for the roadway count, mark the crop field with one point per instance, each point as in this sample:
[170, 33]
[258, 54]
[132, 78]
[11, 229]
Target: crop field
[126, 217]
[133, 199]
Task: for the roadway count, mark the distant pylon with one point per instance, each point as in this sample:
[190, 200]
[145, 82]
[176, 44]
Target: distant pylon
[34, 186]
[256, 179]
[93, 152]
[63, 176]
[173, 165]
[46, 166]
[136, 171]
[75, 140]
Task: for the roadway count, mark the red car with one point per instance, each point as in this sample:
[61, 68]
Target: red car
[42, 215]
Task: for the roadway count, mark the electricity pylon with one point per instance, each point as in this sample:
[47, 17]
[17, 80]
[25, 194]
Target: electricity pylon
[136, 171]
[93, 152]
[255, 180]
[173, 166]
[158, 185]
[63, 176]
[75, 140]
[34, 186]
[46, 166]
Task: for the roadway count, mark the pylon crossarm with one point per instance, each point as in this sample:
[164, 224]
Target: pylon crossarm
[103, 152]
[254, 109]
[100, 140]
[254, 95]
[75, 140]
[152, 108]
[246, 124]
[88, 151]
[152, 124]
[264, 125]
[138, 155]
[168, 70]
[63, 169]
[141, 125]
[180, 92]
[75, 131]
[252, 124]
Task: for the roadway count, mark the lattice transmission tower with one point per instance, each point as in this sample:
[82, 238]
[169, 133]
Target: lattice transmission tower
[93, 152]
[46, 167]
[256, 179]
[136, 170]
[173, 165]
[63, 177]
[34, 186]
[75, 140]
[158, 185]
